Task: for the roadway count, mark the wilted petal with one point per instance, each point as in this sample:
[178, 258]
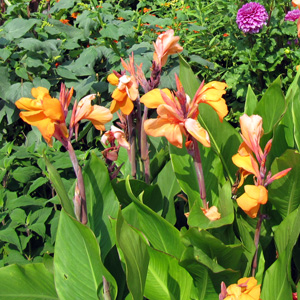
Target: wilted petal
[162, 127]
[212, 213]
[198, 132]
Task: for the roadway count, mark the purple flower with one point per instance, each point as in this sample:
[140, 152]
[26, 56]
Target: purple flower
[292, 15]
[251, 17]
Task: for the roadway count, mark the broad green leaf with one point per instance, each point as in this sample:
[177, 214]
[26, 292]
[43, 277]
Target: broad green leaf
[278, 281]
[276, 285]
[65, 73]
[136, 257]
[247, 239]
[110, 31]
[18, 90]
[59, 188]
[102, 203]
[214, 253]
[161, 234]
[28, 282]
[25, 174]
[78, 269]
[166, 279]
[183, 166]
[169, 187]
[9, 235]
[251, 101]
[284, 193]
[225, 208]
[18, 27]
[62, 4]
[274, 98]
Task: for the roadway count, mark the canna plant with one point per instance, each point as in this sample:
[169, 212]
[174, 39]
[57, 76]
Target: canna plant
[178, 234]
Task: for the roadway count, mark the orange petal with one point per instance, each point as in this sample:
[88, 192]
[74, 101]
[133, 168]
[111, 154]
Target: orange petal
[45, 125]
[248, 205]
[53, 109]
[119, 95]
[29, 104]
[198, 132]
[126, 106]
[220, 107]
[100, 116]
[113, 79]
[296, 3]
[40, 92]
[167, 112]
[259, 193]
[162, 127]
[245, 163]
[153, 98]
[114, 106]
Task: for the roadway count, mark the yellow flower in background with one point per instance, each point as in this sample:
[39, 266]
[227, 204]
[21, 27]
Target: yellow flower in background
[44, 112]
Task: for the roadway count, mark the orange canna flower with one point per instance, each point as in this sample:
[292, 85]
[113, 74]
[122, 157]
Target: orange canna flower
[246, 162]
[252, 131]
[251, 200]
[245, 289]
[97, 114]
[212, 93]
[124, 94]
[176, 116]
[165, 45]
[44, 112]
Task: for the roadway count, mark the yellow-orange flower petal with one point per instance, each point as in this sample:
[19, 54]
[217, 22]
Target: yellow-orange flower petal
[153, 98]
[113, 79]
[163, 127]
[245, 289]
[244, 162]
[250, 201]
[198, 132]
[43, 112]
[212, 93]
[99, 116]
[126, 106]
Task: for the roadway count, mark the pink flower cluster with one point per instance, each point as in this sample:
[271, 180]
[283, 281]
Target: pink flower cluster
[251, 17]
[292, 15]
